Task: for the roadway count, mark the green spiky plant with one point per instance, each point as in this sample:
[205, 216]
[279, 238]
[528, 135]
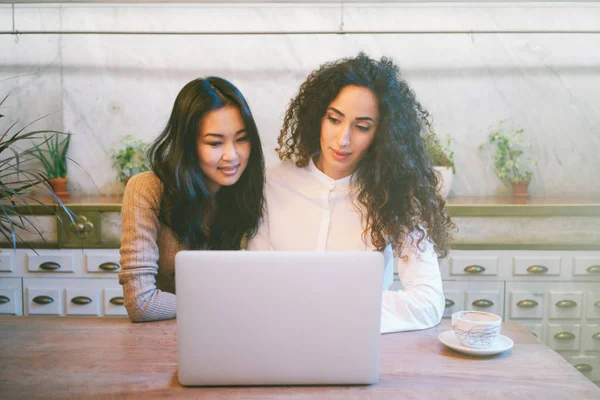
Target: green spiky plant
[21, 186]
[53, 155]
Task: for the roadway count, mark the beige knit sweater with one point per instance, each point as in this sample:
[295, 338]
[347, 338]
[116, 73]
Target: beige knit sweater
[148, 251]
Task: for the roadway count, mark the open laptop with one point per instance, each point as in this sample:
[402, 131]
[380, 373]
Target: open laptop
[278, 317]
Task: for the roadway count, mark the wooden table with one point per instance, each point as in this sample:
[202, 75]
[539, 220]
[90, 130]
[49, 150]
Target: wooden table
[79, 357]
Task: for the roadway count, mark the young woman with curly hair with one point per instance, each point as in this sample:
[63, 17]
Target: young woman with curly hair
[355, 176]
[205, 192]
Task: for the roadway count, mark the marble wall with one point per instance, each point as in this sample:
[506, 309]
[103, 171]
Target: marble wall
[100, 86]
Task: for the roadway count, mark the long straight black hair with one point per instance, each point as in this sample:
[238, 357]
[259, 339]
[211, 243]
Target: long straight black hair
[186, 200]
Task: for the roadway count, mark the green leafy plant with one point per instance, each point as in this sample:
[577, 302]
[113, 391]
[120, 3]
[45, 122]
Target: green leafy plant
[510, 161]
[21, 186]
[440, 152]
[131, 159]
[53, 155]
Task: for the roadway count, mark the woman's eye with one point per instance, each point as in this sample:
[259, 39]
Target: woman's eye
[244, 139]
[214, 144]
[333, 120]
[363, 128]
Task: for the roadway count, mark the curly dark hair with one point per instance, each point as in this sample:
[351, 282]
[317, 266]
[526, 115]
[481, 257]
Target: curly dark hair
[396, 182]
[187, 205]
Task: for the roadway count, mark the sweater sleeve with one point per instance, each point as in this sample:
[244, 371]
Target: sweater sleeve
[420, 303]
[139, 251]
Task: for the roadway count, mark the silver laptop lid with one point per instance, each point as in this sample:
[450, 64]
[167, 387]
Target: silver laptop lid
[275, 318]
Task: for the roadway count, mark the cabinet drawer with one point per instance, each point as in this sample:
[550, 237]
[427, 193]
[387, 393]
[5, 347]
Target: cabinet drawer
[536, 266]
[82, 301]
[488, 301]
[526, 305]
[591, 338]
[53, 263]
[474, 265]
[107, 262]
[454, 302]
[589, 366]
[563, 336]
[11, 296]
[589, 266]
[7, 262]
[114, 302]
[593, 305]
[8, 301]
[566, 305]
[44, 301]
[537, 330]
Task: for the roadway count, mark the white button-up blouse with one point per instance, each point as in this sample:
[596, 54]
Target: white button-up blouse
[308, 210]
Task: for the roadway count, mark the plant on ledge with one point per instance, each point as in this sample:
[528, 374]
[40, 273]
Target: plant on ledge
[442, 158]
[510, 161]
[52, 153]
[131, 159]
[22, 187]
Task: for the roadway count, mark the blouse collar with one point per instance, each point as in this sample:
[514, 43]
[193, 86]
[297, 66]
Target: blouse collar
[343, 183]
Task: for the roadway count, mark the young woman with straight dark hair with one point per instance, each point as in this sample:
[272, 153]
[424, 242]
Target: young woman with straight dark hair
[205, 192]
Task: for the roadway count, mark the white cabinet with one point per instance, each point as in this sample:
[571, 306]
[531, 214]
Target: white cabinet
[73, 296]
[61, 282]
[554, 294]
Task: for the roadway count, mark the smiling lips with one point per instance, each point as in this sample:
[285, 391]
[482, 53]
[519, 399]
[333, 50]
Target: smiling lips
[340, 155]
[229, 170]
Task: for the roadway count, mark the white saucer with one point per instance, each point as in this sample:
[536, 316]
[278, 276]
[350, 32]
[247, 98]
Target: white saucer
[502, 343]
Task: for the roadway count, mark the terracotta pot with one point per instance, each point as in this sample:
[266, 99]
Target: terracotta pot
[59, 185]
[520, 189]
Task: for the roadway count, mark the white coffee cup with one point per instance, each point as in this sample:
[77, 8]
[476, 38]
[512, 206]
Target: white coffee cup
[476, 329]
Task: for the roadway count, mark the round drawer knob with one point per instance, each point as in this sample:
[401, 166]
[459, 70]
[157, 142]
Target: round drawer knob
[527, 303]
[564, 336]
[474, 269]
[117, 301]
[81, 300]
[83, 227]
[566, 304]
[597, 304]
[449, 303]
[4, 300]
[596, 336]
[537, 269]
[483, 303]
[43, 300]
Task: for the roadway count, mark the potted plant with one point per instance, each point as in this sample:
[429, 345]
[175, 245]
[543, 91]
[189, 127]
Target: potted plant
[131, 159]
[443, 161]
[52, 153]
[22, 186]
[510, 161]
